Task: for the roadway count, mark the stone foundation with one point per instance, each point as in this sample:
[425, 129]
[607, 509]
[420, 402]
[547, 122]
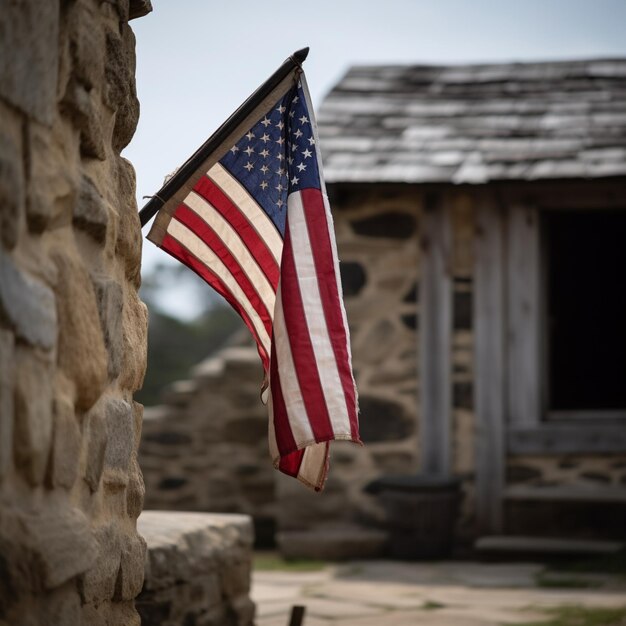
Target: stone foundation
[72, 328]
[198, 569]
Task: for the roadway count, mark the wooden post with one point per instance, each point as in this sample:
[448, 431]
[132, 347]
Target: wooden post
[489, 365]
[435, 338]
[523, 312]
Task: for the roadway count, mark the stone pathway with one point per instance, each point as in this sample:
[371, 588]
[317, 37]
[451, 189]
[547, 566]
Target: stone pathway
[386, 593]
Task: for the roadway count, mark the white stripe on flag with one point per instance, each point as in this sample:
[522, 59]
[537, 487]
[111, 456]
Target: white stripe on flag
[237, 248]
[201, 251]
[294, 404]
[313, 464]
[329, 221]
[316, 321]
[240, 197]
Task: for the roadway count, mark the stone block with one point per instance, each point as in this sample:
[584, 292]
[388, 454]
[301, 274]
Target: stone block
[131, 571]
[185, 545]
[52, 178]
[121, 94]
[110, 298]
[96, 436]
[392, 225]
[246, 430]
[7, 377]
[123, 614]
[94, 615]
[98, 583]
[135, 340]
[60, 607]
[90, 211]
[66, 440]
[44, 547]
[12, 187]
[87, 45]
[136, 490]
[129, 240]
[27, 304]
[33, 414]
[353, 277]
[120, 441]
[29, 36]
[138, 422]
[383, 419]
[82, 355]
[139, 8]
[81, 106]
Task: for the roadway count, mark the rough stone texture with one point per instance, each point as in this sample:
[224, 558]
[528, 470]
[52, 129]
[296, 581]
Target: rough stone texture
[12, 184]
[82, 355]
[69, 549]
[65, 452]
[33, 414]
[95, 444]
[7, 376]
[27, 305]
[29, 49]
[216, 446]
[90, 211]
[198, 569]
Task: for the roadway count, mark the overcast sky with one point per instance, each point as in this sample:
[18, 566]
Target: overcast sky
[197, 60]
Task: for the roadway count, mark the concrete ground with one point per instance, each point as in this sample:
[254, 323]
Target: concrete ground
[389, 593]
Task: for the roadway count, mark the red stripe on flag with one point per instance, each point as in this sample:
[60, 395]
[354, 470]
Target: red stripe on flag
[318, 228]
[301, 347]
[206, 188]
[199, 227]
[282, 429]
[290, 457]
[178, 251]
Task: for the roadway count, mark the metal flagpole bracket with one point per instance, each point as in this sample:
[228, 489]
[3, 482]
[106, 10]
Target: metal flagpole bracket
[191, 165]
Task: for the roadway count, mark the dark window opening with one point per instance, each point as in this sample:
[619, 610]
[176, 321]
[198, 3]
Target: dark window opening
[586, 310]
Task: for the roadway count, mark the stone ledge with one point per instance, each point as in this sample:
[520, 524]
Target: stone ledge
[337, 543]
[198, 569]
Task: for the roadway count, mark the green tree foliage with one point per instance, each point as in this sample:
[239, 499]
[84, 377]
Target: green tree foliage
[175, 345]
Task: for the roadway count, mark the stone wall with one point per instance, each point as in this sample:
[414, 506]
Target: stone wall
[72, 328]
[198, 569]
[206, 448]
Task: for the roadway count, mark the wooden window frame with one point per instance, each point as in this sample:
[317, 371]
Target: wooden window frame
[532, 429]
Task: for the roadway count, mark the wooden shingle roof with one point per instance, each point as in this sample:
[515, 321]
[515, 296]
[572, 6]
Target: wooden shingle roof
[476, 123]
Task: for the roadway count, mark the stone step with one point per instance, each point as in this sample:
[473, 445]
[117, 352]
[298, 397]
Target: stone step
[198, 568]
[337, 543]
[567, 493]
[505, 545]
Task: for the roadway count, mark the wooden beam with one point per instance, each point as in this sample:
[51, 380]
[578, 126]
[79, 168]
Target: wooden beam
[571, 438]
[524, 318]
[435, 337]
[489, 325]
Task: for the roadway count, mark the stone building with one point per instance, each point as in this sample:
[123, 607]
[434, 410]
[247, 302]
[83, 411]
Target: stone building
[480, 214]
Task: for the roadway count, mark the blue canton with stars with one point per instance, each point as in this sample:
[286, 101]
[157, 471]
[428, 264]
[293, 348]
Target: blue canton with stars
[277, 156]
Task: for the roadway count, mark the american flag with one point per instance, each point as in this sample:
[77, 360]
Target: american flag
[255, 224]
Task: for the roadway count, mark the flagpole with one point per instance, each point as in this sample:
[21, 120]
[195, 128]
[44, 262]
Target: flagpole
[174, 183]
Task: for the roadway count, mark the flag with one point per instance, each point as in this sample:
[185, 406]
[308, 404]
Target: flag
[254, 222]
